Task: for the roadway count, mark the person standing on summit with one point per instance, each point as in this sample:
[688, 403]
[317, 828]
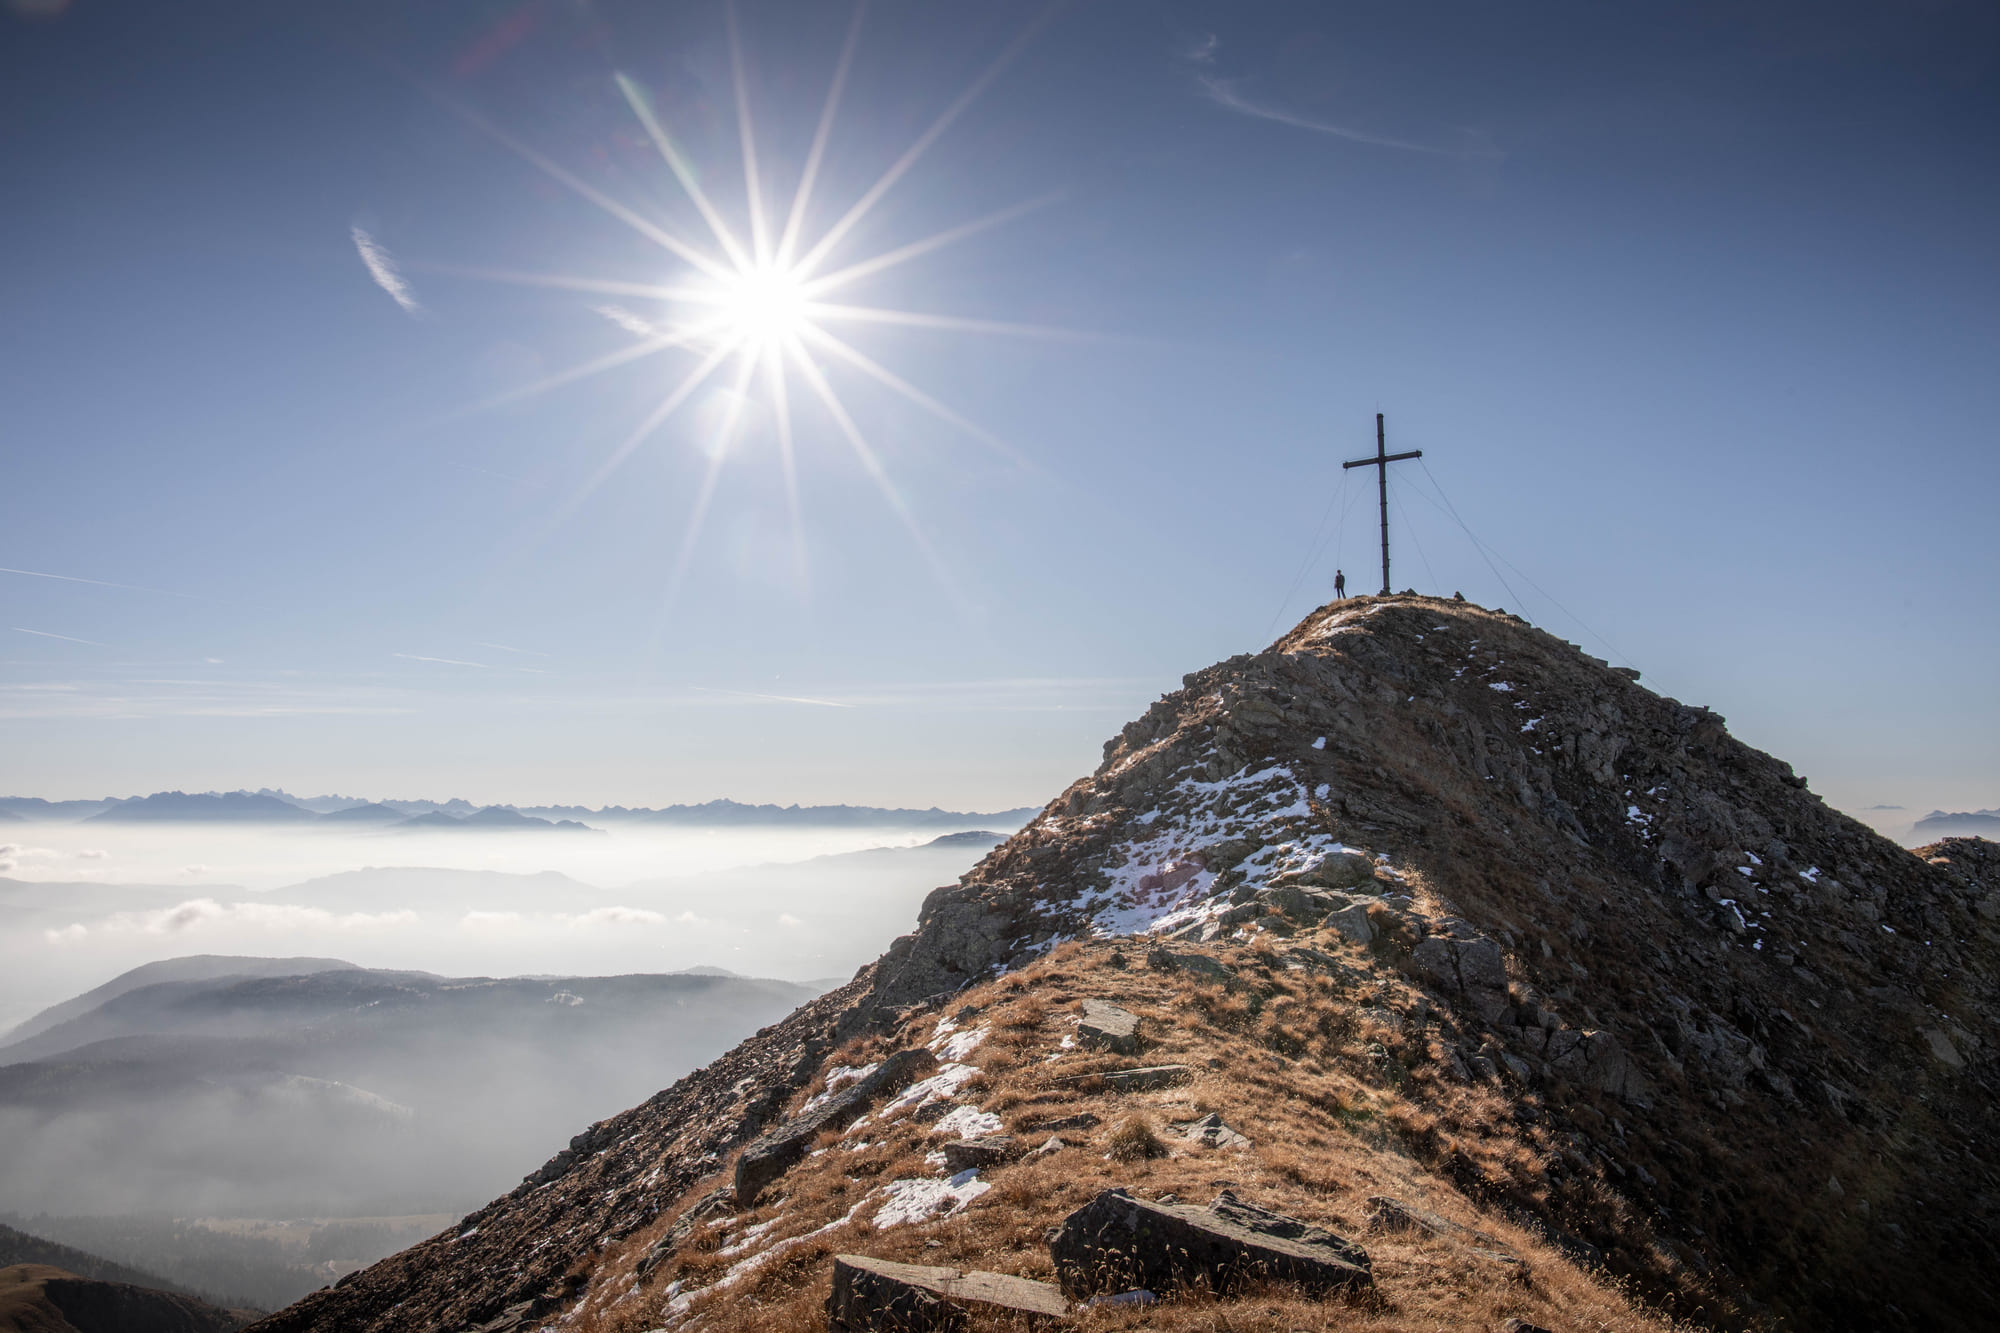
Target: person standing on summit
[1339, 586]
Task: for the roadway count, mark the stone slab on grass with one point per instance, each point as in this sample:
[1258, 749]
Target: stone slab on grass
[1146, 1079]
[880, 1296]
[1117, 1243]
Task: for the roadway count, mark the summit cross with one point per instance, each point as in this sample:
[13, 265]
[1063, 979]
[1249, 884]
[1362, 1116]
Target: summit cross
[1380, 462]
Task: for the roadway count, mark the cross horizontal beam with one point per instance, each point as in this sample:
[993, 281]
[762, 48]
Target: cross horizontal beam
[1372, 460]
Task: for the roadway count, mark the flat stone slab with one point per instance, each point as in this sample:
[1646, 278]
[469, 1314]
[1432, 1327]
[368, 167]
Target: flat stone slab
[1106, 1025]
[1081, 1120]
[980, 1154]
[880, 1296]
[1117, 1243]
[1137, 1080]
[771, 1156]
[1167, 960]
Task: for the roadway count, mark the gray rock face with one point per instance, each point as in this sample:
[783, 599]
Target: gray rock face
[1468, 965]
[1352, 921]
[771, 1156]
[878, 1296]
[1116, 1243]
[1109, 1027]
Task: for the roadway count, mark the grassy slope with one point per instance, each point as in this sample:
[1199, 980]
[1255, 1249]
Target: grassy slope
[1282, 1053]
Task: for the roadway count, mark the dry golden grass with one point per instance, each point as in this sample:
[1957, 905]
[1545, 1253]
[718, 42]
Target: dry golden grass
[1135, 1140]
[1278, 1054]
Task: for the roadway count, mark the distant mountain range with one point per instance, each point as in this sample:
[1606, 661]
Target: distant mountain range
[1967, 823]
[310, 1087]
[275, 806]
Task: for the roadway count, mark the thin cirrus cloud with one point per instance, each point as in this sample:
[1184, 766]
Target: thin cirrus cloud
[382, 268]
[636, 325]
[66, 638]
[464, 662]
[1226, 93]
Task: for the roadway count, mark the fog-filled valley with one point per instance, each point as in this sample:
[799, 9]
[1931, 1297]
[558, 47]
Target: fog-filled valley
[251, 1056]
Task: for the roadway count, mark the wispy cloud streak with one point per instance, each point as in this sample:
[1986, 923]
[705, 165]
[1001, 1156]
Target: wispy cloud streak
[44, 634]
[383, 269]
[98, 583]
[1224, 94]
[442, 661]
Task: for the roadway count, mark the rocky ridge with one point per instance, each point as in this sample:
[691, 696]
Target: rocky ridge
[1428, 892]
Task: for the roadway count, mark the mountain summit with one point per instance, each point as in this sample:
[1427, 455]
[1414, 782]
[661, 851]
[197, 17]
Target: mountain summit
[1421, 928]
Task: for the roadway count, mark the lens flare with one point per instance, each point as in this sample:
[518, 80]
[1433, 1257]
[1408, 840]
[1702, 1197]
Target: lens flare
[759, 300]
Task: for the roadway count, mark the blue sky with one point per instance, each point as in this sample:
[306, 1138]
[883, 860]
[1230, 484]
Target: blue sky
[1693, 310]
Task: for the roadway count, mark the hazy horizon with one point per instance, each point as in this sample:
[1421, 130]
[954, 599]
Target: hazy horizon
[795, 904]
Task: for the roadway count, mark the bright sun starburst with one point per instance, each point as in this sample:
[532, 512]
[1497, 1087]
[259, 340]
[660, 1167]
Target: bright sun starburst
[764, 307]
[758, 302]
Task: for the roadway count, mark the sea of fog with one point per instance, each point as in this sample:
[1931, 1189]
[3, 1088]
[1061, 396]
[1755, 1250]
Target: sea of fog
[82, 902]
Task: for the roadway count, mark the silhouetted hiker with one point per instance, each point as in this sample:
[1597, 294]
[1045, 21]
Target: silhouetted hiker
[1339, 585]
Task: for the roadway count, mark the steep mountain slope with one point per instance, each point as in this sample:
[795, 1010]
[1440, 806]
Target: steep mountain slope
[1451, 912]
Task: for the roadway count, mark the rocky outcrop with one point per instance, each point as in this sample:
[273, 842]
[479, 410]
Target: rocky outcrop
[1117, 1242]
[766, 1159]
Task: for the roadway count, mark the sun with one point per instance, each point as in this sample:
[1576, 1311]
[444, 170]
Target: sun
[763, 306]
[757, 303]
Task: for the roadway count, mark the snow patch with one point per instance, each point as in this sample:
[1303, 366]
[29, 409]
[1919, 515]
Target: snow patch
[938, 1087]
[915, 1200]
[968, 1122]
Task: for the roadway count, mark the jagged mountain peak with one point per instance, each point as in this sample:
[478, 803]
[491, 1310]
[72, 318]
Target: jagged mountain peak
[1420, 898]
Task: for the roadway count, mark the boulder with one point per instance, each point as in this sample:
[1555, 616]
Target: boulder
[1344, 869]
[1117, 1243]
[1107, 1026]
[878, 1296]
[1352, 921]
[772, 1155]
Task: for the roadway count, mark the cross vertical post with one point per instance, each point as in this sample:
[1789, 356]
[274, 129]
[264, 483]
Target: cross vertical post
[1380, 462]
